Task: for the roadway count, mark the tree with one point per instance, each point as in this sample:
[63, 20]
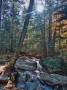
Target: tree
[0, 23]
[60, 31]
[23, 33]
[10, 25]
[50, 53]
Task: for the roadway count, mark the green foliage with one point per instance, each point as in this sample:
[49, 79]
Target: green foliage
[6, 57]
[51, 62]
[55, 63]
[63, 53]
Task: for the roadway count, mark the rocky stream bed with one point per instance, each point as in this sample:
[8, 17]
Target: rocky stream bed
[32, 76]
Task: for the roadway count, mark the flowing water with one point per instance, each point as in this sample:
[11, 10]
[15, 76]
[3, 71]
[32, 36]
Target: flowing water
[21, 84]
[39, 84]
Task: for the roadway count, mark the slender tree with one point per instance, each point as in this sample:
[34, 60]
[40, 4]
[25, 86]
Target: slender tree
[50, 30]
[0, 23]
[23, 33]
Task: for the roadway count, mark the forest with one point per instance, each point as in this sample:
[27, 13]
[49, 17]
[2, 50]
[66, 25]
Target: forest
[33, 44]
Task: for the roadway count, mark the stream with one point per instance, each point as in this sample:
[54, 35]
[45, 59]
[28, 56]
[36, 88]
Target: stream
[21, 85]
[32, 82]
[35, 76]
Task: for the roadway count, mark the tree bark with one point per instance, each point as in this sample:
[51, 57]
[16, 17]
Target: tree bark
[44, 39]
[0, 23]
[23, 33]
[50, 32]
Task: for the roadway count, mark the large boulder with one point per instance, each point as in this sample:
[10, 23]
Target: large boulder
[53, 79]
[26, 65]
[60, 78]
[25, 76]
[22, 78]
[30, 86]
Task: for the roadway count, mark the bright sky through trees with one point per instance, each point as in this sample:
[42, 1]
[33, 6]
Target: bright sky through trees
[39, 8]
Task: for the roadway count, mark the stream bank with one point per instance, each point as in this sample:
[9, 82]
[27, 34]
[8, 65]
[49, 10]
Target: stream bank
[32, 76]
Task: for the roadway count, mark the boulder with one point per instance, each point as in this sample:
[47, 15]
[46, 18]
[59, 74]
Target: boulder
[30, 85]
[26, 76]
[60, 78]
[61, 87]
[26, 62]
[53, 79]
[39, 88]
[26, 65]
[22, 78]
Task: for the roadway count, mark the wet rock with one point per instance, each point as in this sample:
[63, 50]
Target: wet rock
[64, 87]
[29, 76]
[56, 71]
[2, 62]
[22, 78]
[39, 88]
[61, 87]
[27, 62]
[26, 65]
[48, 79]
[4, 79]
[58, 87]
[53, 79]
[30, 86]
[60, 78]
[26, 76]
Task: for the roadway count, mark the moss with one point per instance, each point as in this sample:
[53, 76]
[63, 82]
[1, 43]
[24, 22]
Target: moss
[51, 62]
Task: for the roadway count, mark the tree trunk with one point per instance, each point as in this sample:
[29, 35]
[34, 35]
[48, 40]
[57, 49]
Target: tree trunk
[44, 40]
[50, 32]
[53, 49]
[0, 23]
[11, 49]
[59, 36]
[23, 33]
